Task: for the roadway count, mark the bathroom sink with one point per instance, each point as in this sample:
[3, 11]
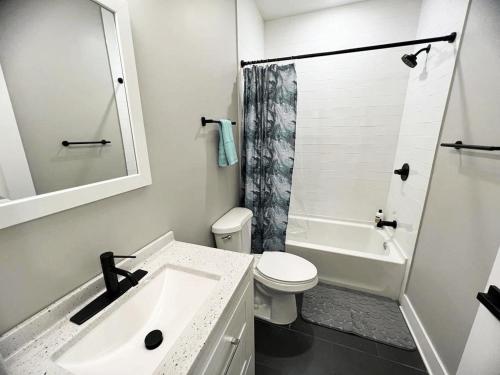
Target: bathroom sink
[167, 301]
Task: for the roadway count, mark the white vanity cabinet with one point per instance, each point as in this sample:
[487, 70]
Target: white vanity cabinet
[230, 348]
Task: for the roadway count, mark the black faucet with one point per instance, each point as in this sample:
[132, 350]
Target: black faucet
[114, 289]
[382, 223]
[110, 273]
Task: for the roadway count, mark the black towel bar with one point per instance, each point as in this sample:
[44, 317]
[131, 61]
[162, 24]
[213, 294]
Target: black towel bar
[101, 142]
[459, 145]
[205, 121]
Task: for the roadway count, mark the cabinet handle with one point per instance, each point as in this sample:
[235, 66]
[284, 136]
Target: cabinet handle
[228, 237]
[234, 347]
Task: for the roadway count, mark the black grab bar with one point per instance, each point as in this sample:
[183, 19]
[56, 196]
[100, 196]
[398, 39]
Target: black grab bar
[459, 145]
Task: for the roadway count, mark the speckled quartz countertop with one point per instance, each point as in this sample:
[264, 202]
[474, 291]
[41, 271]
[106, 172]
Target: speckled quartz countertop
[29, 347]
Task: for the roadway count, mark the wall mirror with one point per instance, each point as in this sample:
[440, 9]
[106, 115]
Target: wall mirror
[71, 126]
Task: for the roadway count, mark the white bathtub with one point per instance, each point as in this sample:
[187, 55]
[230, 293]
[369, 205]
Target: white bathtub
[348, 254]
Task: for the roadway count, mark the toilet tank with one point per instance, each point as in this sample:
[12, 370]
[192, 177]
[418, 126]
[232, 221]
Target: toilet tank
[233, 231]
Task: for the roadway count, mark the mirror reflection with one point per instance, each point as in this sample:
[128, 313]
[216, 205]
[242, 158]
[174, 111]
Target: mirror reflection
[64, 119]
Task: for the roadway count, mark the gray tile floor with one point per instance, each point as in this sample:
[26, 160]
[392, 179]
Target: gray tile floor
[303, 348]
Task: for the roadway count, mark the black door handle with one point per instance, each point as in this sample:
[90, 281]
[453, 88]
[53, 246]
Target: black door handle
[491, 300]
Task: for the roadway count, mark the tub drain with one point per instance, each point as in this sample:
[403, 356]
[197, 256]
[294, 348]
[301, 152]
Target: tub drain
[153, 339]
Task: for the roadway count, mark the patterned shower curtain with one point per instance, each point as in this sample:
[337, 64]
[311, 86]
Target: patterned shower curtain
[270, 111]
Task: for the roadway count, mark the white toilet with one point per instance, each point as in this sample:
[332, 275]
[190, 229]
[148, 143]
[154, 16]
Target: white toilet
[278, 276]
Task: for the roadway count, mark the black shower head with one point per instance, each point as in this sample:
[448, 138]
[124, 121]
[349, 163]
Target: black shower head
[411, 59]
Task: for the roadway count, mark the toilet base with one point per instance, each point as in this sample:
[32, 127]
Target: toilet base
[273, 306]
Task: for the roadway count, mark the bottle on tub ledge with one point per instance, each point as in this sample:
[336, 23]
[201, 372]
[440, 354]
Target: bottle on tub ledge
[379, 216]
[380, 223]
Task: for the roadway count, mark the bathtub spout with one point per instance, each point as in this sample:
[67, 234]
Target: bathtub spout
[383, 223]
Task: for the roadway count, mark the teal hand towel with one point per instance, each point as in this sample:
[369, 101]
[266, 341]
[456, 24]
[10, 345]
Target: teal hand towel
[227, 148]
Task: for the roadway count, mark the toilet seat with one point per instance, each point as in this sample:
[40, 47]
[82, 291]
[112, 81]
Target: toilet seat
[286, 267]
[285, 272]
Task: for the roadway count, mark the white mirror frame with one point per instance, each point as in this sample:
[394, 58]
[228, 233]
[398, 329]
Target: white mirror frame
[26, 209]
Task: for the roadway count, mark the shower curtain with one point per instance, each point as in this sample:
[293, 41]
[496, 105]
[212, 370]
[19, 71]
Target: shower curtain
[270, 111]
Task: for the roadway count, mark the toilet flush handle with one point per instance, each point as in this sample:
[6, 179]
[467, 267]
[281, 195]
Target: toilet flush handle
[227, 237]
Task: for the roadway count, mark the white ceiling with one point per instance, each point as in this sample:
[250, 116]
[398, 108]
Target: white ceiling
[272, 9]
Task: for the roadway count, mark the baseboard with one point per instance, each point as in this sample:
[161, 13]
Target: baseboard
[429, 354]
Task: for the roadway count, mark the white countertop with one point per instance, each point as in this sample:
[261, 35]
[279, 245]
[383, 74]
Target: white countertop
[29, 347]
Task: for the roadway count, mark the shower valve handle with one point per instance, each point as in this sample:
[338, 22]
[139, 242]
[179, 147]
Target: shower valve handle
[404, 172]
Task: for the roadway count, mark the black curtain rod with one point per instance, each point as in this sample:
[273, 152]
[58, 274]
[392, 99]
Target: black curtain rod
[448, 38]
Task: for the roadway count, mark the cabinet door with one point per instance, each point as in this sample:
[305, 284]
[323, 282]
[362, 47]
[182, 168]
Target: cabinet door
[243, 361]
[230, 355]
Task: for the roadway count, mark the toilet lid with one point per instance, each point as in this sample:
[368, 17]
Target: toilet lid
[286, 267]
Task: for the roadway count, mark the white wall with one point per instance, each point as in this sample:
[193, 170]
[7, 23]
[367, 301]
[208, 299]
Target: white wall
[349, 107]
[459, 236]
[424, 108]
[250, 31]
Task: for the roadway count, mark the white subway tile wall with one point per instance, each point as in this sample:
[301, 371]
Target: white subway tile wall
[349, 106]
[427, 94]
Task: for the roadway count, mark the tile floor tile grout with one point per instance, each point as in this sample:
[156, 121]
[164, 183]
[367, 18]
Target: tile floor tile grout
[377, 356]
